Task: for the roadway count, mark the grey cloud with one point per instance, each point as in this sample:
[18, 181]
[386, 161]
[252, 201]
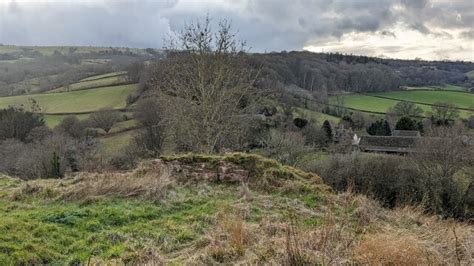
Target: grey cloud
[388, 33]
[469, 34]
[265, 24]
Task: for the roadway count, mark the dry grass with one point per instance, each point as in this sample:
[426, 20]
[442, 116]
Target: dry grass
[365, 233]
[390, 249]
[150, 185]
[227, 241]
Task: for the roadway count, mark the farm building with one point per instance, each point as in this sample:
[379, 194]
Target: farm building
[401, 141]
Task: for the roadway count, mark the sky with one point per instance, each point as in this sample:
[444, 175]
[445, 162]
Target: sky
[407, 29]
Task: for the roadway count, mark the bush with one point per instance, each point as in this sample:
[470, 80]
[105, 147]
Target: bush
[300, 122]
[470, 122]
[406, 123]
[379, 128]
[17, 123]
[50, 157]
[390, 179]
[286, 147]
[105, 119]
[396, 180]
[72, 126]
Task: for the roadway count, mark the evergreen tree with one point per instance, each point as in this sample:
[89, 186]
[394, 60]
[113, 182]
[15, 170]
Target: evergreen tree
[379, 128]
[406, 123]
[328, 130]
[56, 166]
[386, 128]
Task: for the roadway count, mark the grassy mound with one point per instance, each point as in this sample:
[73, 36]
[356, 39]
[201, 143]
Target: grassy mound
[201, 209]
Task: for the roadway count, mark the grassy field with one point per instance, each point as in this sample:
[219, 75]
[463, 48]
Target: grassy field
[54, 120]
[114, 144]
[92, 83]
[463, 100]
[76, 101]
[448, 87]
[158, 215]
[124, 125]
[107, 75]
[369, 103]
[313, 115]
[470, 74]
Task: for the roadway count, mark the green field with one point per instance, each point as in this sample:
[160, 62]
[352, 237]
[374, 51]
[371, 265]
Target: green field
[448, 87]
[114, 144]
[76, 101]
[367, 103]
[124, 125]
[313, 115]
[370, 104]
[93, 83]
[107, 75]
[470, 74]
[54, 120]
[463, 100]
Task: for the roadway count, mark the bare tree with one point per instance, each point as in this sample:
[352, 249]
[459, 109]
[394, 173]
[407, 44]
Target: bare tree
[408, 109]
[105, 118]
[150, 115]
[439, 156]
[444, 113]
[206, 88]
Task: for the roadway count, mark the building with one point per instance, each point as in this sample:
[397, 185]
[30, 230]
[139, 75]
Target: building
[401, 142]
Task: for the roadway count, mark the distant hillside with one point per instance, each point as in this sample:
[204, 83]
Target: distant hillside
[198, 209]
[30, 70]
[329, 73]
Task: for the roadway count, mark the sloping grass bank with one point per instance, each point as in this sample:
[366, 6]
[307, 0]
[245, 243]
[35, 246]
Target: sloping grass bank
[201, 209]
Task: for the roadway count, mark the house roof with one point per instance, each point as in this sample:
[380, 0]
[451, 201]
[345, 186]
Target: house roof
[406, 133]
[387, 143]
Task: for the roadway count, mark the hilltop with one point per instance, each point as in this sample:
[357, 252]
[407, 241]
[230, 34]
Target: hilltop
[203, 209]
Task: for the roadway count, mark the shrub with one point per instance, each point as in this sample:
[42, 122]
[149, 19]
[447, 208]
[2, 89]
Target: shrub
[390, 179]
[72, 126]
[379, 128]
[286, 147]
[395, 180]
[50, 157]
[105, 119]
[300, 122]
[17, 123]
[328, 130]
[406, 123]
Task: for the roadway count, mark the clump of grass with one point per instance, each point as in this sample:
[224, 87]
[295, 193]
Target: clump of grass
[35, 191]
[150, 185]
[390, 249]
[229, 239]
[294, 250]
